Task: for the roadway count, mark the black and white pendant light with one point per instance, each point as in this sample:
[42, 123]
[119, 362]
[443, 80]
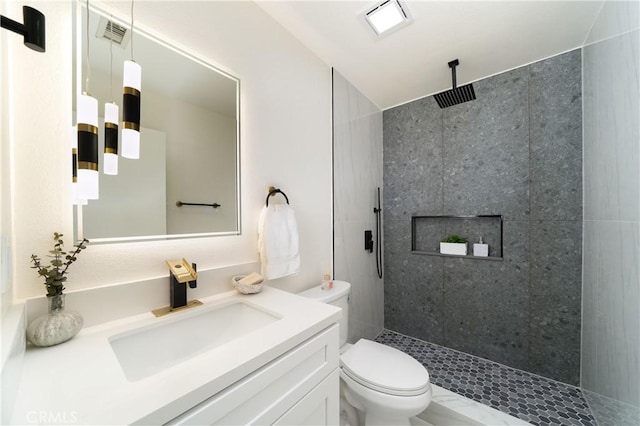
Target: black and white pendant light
[85, 177]
[75, 199]
[132, 86]
[87, 126]
[88, 181]
[110, 138]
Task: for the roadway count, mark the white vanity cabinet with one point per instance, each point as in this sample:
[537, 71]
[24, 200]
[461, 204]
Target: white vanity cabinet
[283, 372]
[299, 387]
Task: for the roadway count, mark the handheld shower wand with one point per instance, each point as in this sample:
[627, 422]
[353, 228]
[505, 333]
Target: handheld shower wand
[378, 213]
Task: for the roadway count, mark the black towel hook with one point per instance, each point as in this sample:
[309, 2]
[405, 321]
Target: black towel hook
[273, 191]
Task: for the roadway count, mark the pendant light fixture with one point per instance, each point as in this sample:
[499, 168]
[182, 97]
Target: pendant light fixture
[132, 83]
[110, 119]
[87, 119]
[75, 200]
[111, 138]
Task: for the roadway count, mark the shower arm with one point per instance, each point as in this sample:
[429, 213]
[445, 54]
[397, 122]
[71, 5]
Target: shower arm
[453, 64]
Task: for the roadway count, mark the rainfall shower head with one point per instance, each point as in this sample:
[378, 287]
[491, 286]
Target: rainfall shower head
[457, 95]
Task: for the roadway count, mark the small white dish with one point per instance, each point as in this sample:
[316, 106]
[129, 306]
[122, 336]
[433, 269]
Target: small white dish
[246, 288]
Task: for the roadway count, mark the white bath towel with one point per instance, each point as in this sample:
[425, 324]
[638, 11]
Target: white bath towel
[278, 241]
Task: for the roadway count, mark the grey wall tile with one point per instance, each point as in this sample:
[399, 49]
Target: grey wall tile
[413, 290]
[611, 324]
[470, 159]
[413, 159]
[487, 302]
[618, 327]
[486, 163]
[555, 299]
[517, 247]
[490, 327]
[590, 148]
[556, 138]
[588, 351]
[612, 114]
[357, 163]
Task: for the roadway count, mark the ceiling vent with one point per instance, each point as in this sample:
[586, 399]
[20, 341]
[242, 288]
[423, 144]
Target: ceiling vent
[112, 32]
[388, 16]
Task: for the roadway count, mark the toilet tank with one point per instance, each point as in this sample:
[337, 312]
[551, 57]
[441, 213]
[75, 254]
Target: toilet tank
[338, 296]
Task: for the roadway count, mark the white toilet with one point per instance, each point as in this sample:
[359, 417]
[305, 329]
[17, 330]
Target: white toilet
[384, 384]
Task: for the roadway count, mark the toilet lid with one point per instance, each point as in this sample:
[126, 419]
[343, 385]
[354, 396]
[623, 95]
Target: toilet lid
[384, 369]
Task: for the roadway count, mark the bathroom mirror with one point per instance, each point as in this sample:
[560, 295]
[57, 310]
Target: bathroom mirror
[189, 138]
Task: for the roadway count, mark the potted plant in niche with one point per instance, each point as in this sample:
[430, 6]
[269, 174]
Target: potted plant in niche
[454, 244]
[59, 325]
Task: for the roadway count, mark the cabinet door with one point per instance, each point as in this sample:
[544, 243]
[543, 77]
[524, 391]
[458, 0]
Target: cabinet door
[266, 394]
[321, 406]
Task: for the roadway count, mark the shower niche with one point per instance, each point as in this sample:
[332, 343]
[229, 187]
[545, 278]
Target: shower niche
[428, 231]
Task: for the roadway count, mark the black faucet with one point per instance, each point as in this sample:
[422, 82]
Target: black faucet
[179, 290]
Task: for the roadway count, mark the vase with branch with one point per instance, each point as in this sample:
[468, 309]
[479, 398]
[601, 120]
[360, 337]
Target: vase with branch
[59, 325]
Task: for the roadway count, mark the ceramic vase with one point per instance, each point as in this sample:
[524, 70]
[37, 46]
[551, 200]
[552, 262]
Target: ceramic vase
[56, 327]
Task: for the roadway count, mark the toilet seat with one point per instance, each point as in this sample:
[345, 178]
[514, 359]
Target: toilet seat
[384, 369]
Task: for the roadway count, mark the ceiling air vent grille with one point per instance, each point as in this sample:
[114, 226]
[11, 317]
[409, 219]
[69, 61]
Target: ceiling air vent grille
[110, 31]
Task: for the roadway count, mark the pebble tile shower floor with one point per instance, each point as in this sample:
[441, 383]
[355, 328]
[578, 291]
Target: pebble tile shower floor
[532, 398]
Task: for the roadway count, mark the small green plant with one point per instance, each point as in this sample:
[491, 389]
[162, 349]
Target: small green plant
[453, 238]
[60, 262]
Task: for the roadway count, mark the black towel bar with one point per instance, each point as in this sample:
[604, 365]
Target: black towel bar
[214, 205]
[274, 191]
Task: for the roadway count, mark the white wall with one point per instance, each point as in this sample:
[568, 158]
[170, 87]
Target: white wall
[40, 108]
[357, 160]
[285, 133]
[6, 290]
[26, 127]
[611, 274]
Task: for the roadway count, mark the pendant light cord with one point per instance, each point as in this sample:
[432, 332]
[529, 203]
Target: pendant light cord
[87, 70]
[132, 31]
[111, 58]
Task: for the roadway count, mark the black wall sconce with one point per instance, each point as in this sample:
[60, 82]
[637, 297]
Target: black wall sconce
[33, 29]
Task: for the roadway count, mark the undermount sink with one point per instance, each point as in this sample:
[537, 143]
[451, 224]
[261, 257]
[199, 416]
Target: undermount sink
[147, 350]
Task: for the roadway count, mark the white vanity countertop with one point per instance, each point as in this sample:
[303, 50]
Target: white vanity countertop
[81, 381]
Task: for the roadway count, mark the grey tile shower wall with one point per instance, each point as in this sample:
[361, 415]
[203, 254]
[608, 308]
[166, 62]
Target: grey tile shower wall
[556, 138]
[515, 151]
[357, 172]
[487, 303]
[413, 167]
[611, 328]
[485, 150]
[555, 271]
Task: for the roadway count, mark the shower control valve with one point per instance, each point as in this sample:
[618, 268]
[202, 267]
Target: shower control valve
[368, 241]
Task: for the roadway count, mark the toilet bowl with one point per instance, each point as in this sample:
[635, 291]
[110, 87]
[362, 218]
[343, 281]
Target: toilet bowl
[383, 385]
[386, 385]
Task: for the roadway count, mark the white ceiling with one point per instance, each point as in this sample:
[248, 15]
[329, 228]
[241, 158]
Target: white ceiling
[487, 37]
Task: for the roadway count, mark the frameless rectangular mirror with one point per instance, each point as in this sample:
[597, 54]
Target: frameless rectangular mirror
[186, 181]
